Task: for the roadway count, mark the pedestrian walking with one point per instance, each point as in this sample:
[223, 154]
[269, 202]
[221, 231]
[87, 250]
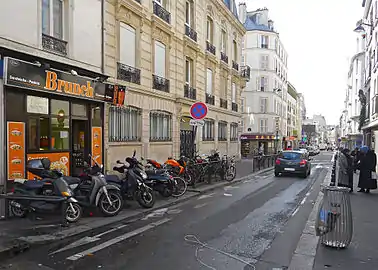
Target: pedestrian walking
[366, 165]
[350, 168]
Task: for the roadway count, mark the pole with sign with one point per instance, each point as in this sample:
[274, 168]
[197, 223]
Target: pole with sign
[198, 111]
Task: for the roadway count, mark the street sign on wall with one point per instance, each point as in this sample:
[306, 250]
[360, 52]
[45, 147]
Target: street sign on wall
[198, 110]
[196, 123]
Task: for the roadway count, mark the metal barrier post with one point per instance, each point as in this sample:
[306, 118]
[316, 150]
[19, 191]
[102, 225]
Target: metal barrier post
[64, 207]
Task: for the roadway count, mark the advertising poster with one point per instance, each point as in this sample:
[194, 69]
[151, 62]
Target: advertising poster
[16, 150]
[59, 161]
[97, 144]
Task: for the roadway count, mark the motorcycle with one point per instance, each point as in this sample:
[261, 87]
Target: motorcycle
[47, 186]
[131, 182]
[92, 190]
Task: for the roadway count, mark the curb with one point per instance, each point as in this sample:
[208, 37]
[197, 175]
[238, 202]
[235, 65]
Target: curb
[21, 244]
[305, 252]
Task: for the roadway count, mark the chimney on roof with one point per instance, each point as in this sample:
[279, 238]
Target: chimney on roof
[271, 25]
[242, 12]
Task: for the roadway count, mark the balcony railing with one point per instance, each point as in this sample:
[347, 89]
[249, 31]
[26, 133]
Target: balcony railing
[210, 47]
[128, 73]
[223, 103]
[190, 92]
[224, 57]
[210, 99]
[160, 83]
[190, 33]
[246, 72]
[161, 12]
[235, 65]
[54, 44]
[234, 106]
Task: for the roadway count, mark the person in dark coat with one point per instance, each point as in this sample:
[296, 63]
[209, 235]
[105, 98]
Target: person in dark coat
[356, 156]
[350, 169]
[366, 165]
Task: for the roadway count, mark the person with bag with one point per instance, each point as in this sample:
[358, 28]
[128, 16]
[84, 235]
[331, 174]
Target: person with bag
[349, 169]
[366, 165]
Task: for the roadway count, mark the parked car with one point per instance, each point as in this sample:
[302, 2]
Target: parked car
[292, 162]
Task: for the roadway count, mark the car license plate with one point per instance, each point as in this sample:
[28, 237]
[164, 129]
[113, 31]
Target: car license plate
[290, 169]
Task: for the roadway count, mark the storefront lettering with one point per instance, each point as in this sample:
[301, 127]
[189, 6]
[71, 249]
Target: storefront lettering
[55, 84]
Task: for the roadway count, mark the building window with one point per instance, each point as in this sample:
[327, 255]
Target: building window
[263, 105]
[242, 60]
[264, 61]
[222, 131]
[235, 50]
[264, 42]
[127, 45]
[125, 124]
[189, 71]
[209, 30]
[223, 87]
[233, 92]
[208, 130]
[160, 126]
[209, 81]
[242, 102]
[189, 13]
[243, 43]
[234, 132]
[160, 56]
[52, 18]
[262, 83]
[263, 125]
[224, 41]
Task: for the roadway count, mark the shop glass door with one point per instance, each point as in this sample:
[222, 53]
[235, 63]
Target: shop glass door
[80, 137]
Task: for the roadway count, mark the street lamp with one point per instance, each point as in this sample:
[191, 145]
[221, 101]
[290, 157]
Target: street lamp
[360, 27]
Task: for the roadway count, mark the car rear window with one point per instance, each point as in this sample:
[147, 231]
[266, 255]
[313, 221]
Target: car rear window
[290, 155]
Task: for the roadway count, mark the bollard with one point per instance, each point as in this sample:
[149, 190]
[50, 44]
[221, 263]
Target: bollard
[334, 222]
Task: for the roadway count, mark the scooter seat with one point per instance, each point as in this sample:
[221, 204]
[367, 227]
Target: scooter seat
[33, 184]
[155, 172]
[71, 180]
[113, 178]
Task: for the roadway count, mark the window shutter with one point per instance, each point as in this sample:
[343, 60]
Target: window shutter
[127, 44]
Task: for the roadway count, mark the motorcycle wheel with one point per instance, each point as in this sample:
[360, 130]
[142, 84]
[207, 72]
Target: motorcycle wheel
[230, 173]
[145, 198]
[18, 212]
[179, 187]
[74, 213]
[105, 207]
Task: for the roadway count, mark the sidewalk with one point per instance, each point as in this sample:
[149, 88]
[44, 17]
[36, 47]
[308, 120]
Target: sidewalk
[362, 254]
[17, 235]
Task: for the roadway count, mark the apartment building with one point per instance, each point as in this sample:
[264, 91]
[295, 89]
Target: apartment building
[294, 120]
[265, 96]
[168, 55]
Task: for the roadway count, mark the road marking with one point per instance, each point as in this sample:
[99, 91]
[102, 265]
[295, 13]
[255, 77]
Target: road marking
[200, 205]
[86, 240]
[227, 194]
[174, 211]
[116, 240]
[156, 213]
[319, 167]
[230, 187]
[295, 211]
[303, 201]
[206, 196]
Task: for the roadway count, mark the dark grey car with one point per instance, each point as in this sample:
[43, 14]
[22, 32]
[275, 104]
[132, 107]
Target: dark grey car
[293, 162]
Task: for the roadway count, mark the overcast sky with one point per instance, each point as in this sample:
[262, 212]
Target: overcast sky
[319, 39]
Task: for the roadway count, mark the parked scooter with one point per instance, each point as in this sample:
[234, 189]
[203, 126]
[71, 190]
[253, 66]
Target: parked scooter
[56, 186]
[131, 182]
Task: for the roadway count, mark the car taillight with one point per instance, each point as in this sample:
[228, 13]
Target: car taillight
[303, 162]
[278, 162]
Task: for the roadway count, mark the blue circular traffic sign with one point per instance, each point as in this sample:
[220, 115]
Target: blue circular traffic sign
[198, 110]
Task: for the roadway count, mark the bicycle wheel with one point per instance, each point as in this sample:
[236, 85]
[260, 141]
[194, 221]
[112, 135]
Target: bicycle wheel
[179, 187]
[230, 173]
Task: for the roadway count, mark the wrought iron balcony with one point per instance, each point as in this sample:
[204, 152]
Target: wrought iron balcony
[234, 106]
[246, 72]
[53, 44]
[161, 12]
[190, 92]
[160, 83]
[223, 103]
[128, 73]
[224, 57]
[210, 99]
[235, 65]
[210, 47]
[190, 33]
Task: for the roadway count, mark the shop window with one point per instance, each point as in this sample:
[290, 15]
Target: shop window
[38, 105]
[222, 131]
[160, 126]
[32, 134]
[44, 133]
[125, 124]
[234, 132]
[96, 116]
[60, 107]
[13, 98]
[60, 128]
[78, 110]
[208, 130]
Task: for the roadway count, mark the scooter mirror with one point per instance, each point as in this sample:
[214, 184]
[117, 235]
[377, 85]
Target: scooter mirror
[134, 154]
[118, 162]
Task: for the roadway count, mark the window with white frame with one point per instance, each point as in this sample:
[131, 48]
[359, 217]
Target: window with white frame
[125, 124]
[263, 105]
[209, 30]
[208, 130]
[235, 50]
[127, 44]
[264, 42]
[189, 71]
[242, 102]
[223, 87]
[189, 13]
[234, 132]
[263, 125]
[264, 61]
[222, 131]
[224, 41]
[262, 83]
[233, 92]
[53, 18]
[160, 58]
[160, 126]
[209, 81]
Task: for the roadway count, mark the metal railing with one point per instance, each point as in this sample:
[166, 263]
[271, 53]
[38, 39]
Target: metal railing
[210, 99]
[190, 92]
[224, 57]
[263, 162]
[210, 47]
[54, 44]
[160, 83]
[128, 73]
[161, 12]
[191, 33]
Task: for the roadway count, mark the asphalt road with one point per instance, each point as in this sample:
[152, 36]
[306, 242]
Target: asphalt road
[254, 222]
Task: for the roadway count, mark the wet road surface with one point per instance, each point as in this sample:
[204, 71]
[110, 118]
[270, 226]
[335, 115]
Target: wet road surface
[243, 220]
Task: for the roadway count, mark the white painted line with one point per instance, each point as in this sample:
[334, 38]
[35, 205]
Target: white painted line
[206, 196]
[200, 205]
[116, 240]
[227, 194]
[295, 211]
[303, 201]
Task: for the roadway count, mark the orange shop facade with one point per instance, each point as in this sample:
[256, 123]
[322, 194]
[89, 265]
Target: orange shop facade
[51, 114]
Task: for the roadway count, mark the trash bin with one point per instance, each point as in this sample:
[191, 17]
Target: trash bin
[334, 222]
